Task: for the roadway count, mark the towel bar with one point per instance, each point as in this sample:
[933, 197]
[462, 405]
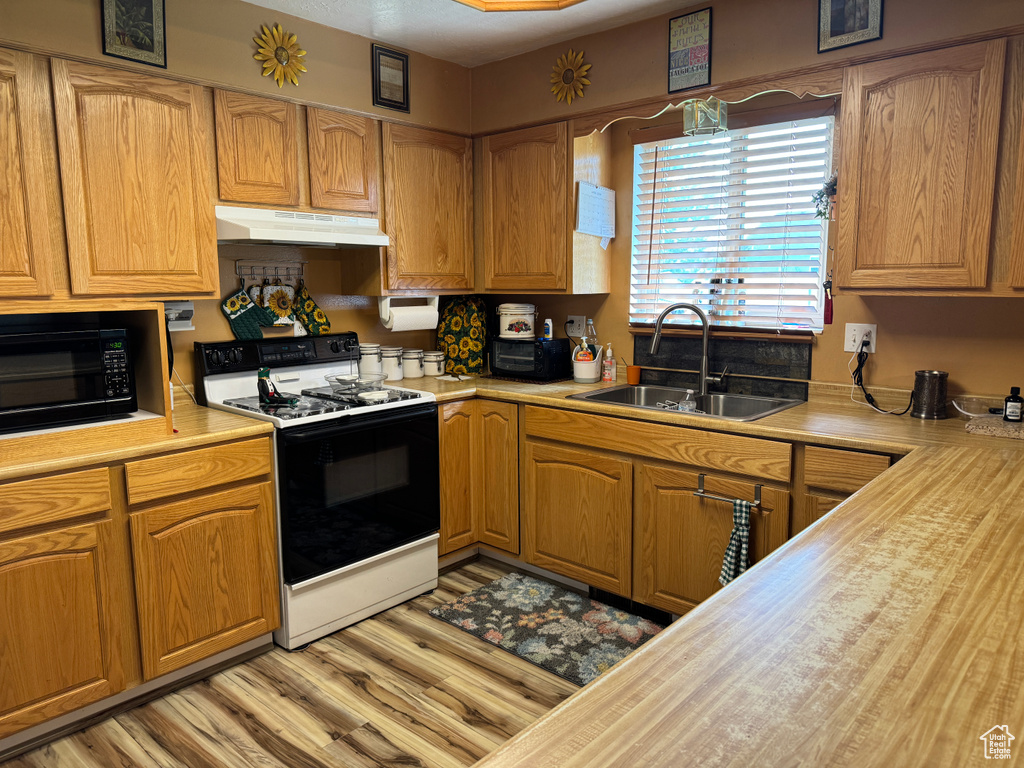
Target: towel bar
[757, 496]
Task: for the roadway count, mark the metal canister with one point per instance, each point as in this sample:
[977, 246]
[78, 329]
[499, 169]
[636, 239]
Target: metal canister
[930, 395]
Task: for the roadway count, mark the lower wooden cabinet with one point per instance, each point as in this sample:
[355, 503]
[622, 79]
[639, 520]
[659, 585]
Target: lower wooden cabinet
[577, 514]
[65, 598]
[680, 539]
[200, 540]
[205, 575]
[831, 475]
[479, 444]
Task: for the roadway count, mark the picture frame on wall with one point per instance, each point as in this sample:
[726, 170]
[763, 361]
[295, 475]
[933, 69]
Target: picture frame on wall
[848, 22]
[134, 30]
[689, 51]
[390, 78]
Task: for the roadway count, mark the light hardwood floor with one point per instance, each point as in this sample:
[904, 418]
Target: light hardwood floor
[399, 689]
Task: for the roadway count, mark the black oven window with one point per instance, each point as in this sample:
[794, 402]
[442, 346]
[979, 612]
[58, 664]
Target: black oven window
[37, 378]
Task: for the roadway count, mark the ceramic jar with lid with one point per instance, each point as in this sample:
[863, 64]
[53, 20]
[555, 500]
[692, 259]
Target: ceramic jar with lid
[433, 363]
[412, 363]
[391, 362]
[369, 358]
[516, 321]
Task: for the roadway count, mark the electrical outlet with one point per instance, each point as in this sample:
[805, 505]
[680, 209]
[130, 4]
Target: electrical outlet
[576, 325]
[859, 332]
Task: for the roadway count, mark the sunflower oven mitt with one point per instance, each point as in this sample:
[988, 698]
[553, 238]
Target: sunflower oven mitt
[309, 313]
[245, 317]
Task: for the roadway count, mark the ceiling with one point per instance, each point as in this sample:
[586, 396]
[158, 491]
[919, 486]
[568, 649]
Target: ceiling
[449, 30]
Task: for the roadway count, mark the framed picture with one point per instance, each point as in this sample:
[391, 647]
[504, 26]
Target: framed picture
[848, 22]
[390, 78]
[134, 30]
[689, 51]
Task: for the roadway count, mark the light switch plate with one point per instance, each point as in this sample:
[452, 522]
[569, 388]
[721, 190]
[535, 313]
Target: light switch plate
[855, 334]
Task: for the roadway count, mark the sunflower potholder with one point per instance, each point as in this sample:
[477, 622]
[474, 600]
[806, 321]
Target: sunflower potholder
[280, 301]
[244, 317]
[309, 313]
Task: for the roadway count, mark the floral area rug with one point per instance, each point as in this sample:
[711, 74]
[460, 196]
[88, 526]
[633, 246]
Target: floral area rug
[564, 632]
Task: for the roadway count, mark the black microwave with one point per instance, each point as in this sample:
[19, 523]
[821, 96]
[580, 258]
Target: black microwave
[52, 377]
[534, 359]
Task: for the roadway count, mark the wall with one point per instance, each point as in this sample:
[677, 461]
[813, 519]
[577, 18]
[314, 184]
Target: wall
[210, 41]
[749, 38]
[977, 340]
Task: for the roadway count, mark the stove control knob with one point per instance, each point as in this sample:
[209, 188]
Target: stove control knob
[335, 346]
[216, 357]
[234, 355]
[350, 345]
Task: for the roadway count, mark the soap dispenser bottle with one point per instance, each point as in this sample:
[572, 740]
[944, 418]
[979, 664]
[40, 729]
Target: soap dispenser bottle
[1012, 406]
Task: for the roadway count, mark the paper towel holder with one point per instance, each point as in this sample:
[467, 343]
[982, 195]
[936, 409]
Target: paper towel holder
[384, 307]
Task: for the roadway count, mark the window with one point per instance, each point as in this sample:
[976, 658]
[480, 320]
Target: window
[726, 222]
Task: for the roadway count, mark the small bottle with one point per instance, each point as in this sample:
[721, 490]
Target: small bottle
[548, 332]
[608, 366]
[1012, 406]
[588, 348]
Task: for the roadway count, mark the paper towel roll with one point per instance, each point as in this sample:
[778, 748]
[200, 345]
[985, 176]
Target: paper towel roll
[418, 318]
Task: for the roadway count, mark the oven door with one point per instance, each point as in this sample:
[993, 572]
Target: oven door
[356, 487]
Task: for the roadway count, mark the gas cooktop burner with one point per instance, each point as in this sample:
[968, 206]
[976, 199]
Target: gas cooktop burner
[362, 397]
[306, 406]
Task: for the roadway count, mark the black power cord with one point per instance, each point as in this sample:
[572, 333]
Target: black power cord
[858, 380]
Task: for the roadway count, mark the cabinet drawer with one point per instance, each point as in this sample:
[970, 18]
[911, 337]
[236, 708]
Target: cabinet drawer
[196, 470]
[712, 450]
[52, 499]
[844, 471]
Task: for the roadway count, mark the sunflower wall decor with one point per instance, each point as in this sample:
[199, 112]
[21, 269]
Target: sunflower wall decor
[280, 53]
[568, 77]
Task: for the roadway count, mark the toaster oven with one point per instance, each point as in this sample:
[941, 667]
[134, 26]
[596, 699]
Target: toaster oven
[535, 359]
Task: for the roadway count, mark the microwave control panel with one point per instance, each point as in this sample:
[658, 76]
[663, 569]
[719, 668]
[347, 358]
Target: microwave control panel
[117, 378]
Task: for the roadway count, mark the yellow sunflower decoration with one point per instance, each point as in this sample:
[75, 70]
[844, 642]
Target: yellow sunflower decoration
[568, 77]
[280, 53]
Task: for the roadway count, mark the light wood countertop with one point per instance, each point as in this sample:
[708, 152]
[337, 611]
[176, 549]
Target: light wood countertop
[888, 633]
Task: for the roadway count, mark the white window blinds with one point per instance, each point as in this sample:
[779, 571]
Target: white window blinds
[726, 222]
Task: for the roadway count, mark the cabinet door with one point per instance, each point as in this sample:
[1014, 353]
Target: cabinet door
[136, 173]
[681, 538]
[499, 471]
[205, 575]
[61, 624]
[917, 176]
[28, 235]
[344, 160]
[527, 215]
[460, 463]
[257, 149]
[428, 199]
[577, 514]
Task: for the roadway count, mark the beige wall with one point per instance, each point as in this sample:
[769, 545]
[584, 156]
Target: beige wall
[749, 38]
[210, 41]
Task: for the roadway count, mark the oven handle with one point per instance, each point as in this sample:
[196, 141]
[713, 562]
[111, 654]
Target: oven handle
[358, 422]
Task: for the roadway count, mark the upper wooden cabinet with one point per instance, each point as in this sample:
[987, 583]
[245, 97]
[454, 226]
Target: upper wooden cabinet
[29, 222]
[136, 171]
[428, 209]
[344, 160]
[257, 149]
[917, 172]
[529, 202]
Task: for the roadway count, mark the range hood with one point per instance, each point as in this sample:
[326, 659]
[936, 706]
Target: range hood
[259, 225]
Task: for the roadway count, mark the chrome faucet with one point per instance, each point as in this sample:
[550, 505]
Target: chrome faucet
[656, 341]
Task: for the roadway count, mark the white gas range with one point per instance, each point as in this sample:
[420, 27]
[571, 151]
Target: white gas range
[356, 476]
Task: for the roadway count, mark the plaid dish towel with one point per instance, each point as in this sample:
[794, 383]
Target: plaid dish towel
[735, 561]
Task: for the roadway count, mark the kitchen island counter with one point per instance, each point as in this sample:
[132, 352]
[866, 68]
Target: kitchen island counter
[885, 634]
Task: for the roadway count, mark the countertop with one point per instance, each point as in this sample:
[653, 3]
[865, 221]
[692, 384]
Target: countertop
[888, 633]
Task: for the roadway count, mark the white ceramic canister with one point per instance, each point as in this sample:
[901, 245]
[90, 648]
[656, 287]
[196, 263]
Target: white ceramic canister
[517, 321]
[412, 363]
[369, 359]
[391, 362]
[433, 363]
